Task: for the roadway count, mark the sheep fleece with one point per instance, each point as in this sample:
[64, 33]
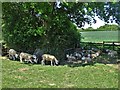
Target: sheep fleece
[48, 57]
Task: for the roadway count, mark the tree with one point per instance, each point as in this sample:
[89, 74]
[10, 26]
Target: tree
[80, 12]
[108, 27]
[49, 26]
[27, 26]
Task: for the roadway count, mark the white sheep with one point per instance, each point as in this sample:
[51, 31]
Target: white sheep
[48, 57]
[27, 57]
[95, 54]
[86, 59]
[12, 54]
[70, 57]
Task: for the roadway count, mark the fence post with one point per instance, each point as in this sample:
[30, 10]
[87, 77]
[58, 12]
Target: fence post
[118, 53]
[113, 45]
[0, 49]
[103, 44]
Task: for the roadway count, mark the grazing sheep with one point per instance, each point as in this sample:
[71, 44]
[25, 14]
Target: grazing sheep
[48, 57]
[27, 57]
[12, 54]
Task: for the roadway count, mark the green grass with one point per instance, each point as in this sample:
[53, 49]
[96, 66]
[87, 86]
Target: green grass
[99, 36]
[19, 75]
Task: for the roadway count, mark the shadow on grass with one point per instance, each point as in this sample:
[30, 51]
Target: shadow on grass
[29, 64]
[103, 59]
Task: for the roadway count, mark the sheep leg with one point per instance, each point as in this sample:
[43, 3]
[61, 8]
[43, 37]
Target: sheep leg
[42, 62]
[51, 63]
[13, 57]
[54, 64]
[9, 56]
[30, 61]
[27, 60]
[21, 59]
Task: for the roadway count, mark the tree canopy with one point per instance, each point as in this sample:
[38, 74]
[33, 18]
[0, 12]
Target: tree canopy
[51, 26]
[109, 27]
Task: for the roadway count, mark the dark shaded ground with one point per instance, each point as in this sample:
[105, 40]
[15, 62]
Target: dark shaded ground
[103, 59]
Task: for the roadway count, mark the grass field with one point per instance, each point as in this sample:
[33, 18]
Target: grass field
[99, 36]
[19, 75]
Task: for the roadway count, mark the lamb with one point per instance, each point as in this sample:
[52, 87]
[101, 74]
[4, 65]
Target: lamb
[12, 54]
[94, 49]
[71, 57]
[86, 59]
[112, 53]
[27, 57]
[48, 57]
[77, 55]
[96, 54]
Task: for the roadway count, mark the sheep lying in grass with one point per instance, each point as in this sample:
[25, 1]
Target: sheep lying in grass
[27, 57]
[95, 54]
[78, 55]
[73, 57]
[70, 57]
[86, 59]
[12, 54]
[112, 53]
[48, 57]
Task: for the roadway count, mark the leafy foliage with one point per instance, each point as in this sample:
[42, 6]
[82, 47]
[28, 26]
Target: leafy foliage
[81, 13]
[49, 25]
[37, 25]
[109, 27]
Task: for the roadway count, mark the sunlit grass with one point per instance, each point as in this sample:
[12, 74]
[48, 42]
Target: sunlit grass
[19, 75]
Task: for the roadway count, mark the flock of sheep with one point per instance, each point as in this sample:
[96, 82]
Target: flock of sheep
[88, 55]
[37, 57]
[79, 54]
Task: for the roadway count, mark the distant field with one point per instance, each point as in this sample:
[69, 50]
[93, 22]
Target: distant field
[99, 36]
[19, 75]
